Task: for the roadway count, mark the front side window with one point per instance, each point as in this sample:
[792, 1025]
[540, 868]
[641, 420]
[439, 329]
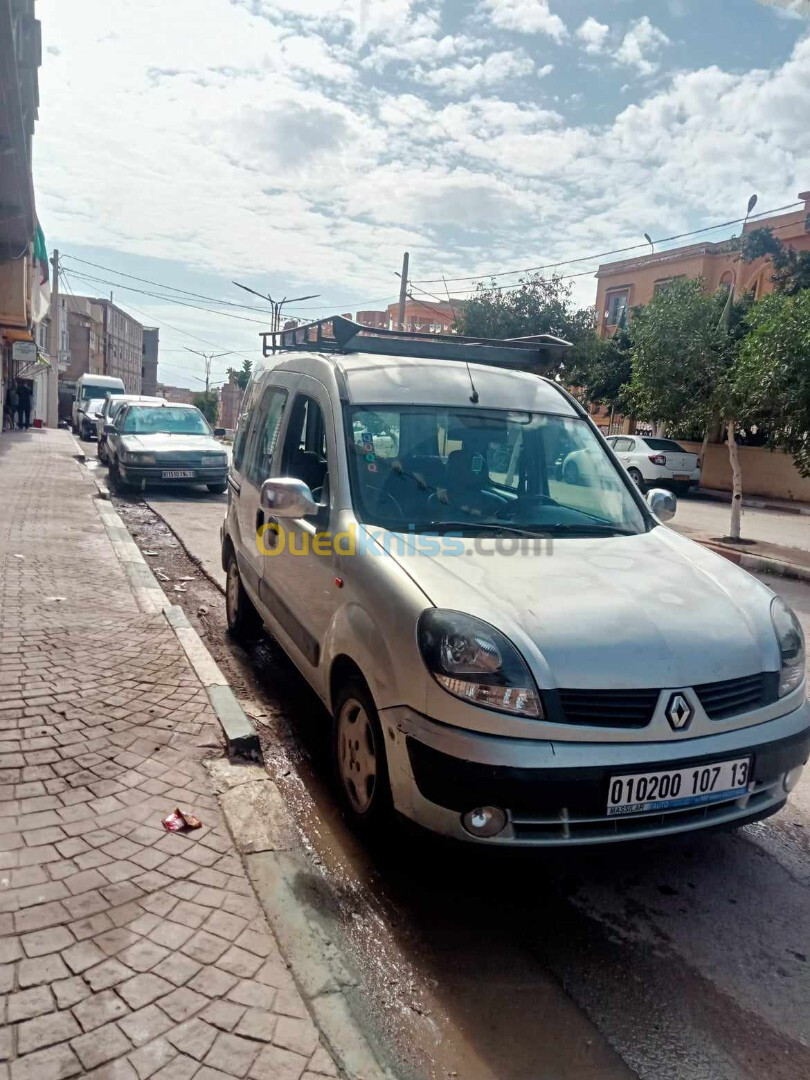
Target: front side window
[477, 469]
[164, 420]
[304, 456]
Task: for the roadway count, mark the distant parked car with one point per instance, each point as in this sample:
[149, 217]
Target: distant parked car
[88, 415]
[108, 414]
[657, 462]
[168, 443]
[92, 386]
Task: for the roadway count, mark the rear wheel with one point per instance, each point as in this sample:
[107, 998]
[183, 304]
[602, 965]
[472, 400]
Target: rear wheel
[360, 762]
[637, 478]
[244, 621]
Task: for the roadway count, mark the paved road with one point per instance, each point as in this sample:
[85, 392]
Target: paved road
[683, 961]
[712, 519]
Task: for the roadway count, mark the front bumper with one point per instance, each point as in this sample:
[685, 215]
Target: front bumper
[153, 474]
[555, 794]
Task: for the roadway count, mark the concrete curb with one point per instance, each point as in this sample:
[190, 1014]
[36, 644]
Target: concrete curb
[297, 905]
[758, 563]
[751, 502]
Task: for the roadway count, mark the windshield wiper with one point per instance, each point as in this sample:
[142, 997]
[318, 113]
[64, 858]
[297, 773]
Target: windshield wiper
[589, 527]
[493, 526]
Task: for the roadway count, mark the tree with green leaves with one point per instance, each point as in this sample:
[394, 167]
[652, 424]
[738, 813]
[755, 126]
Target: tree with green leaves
[685, 345]
[208, 404]
[790, 269]
[537, 305]
[242, 374]
[774, 371]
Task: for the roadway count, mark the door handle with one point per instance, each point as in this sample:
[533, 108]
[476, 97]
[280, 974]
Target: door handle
[269, 535]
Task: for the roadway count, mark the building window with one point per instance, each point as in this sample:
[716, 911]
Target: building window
[664, 283]
[616, 306]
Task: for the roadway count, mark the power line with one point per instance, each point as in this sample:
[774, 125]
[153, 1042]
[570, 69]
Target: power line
[604, 254]
[203, 296]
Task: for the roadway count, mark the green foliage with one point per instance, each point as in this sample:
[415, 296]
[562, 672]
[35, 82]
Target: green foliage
[790, 269]
[208, 404]
[242, 374]
[773, 375]
[602, 369]
[537, 306]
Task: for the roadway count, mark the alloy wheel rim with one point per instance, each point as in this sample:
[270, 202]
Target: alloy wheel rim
[357, 756]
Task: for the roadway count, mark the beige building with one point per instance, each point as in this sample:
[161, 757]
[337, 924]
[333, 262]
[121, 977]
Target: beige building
[122, 343]
[626, 284]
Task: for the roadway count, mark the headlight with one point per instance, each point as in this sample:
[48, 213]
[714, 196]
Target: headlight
[133, 457]
[216, 459]
[791, 646]
[474, 661]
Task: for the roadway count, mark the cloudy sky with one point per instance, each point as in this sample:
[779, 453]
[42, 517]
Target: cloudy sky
[300, 146]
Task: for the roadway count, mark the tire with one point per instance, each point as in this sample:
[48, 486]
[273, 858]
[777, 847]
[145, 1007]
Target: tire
[244, 621]
[680, 490]
[571, 472]
[83, 435]
[637, 478]
[119, 485]
[217, 489]
[359, 760]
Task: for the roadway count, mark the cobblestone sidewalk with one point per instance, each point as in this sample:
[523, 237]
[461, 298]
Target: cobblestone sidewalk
[126, 952]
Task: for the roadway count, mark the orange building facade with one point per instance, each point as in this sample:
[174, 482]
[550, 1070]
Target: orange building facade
[626, 284]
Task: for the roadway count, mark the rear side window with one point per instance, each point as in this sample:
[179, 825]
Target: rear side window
[263, 445]
[243, 425]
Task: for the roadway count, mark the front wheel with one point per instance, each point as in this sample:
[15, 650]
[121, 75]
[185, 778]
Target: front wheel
[360, 762]
[119, 484]
[217, 489]
[244, 621]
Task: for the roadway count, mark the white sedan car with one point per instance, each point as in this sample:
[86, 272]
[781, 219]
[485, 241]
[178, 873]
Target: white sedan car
[655, 462]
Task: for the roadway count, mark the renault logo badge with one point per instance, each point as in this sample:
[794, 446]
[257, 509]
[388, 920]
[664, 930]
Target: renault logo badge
[678, 712]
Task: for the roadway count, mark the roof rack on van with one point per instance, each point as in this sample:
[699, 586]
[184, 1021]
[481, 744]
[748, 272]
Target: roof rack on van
[537, 353]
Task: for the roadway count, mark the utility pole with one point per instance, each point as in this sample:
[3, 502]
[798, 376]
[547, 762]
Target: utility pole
[52, 412]
[276, 305]
[403, 292]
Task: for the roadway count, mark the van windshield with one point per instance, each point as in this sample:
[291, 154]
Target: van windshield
[91, 391]
[433, 468]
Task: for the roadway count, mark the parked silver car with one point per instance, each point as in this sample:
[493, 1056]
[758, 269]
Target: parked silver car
[165, 444]
[88, 415]
[509, 658]
[108, 413]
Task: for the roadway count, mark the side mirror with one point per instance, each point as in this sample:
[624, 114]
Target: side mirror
[287, 498]
[220, 432]
[109, 429]
[662, 503]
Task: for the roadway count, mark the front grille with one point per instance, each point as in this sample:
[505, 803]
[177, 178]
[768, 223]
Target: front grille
[609, 708]
[734, 696]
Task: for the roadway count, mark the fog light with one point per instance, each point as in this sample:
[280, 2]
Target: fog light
[484, 821]
[792, 778]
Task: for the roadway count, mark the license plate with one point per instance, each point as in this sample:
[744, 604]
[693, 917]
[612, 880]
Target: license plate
[640, 793]
[681, 476]
[177, 474]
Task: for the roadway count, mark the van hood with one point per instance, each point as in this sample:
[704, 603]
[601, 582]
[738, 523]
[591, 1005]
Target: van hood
[652, 610]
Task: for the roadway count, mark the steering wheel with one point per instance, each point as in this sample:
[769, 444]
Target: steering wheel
[380, 494]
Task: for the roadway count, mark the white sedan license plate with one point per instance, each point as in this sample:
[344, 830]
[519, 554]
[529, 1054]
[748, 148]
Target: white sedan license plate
[177, 474]
[640, 793]
[683, 477]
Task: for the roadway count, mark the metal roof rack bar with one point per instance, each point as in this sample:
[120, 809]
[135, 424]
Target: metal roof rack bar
[537, 353]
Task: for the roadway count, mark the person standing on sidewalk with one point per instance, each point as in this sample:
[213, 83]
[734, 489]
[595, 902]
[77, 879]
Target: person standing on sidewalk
[23, 406]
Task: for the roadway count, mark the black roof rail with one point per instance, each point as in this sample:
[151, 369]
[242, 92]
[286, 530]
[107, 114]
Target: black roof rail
[537, 354]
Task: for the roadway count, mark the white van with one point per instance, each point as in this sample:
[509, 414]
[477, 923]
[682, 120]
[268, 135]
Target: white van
[92, 386]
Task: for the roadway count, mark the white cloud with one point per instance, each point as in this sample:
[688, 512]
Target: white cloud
[526, 16]
[592, 34]
[462, 78]
[640, 45]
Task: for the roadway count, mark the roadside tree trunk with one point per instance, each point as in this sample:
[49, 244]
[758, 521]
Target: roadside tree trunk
[736, 480]
[703, 451]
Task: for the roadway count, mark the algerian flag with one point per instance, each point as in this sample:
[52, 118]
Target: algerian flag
[41, 292]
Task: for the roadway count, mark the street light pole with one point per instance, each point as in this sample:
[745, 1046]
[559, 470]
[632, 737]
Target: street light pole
[276, 305]
[208, 357]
